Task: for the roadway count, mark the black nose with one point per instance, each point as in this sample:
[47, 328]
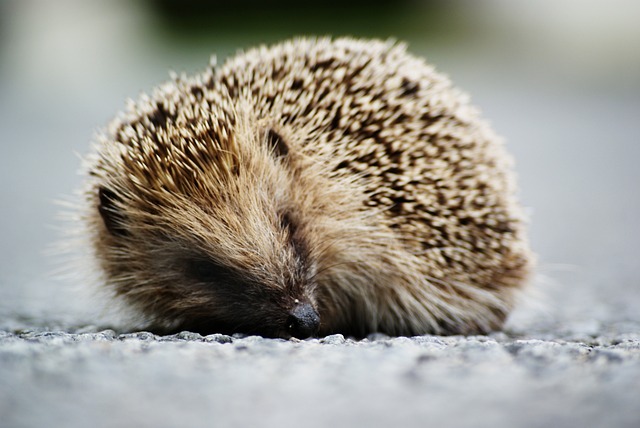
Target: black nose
[303, 321]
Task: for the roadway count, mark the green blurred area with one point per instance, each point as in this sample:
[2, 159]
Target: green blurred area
[205, 21]
[228, 26]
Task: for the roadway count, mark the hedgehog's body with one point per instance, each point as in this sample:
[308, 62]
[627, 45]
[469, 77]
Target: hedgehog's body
[317, 186]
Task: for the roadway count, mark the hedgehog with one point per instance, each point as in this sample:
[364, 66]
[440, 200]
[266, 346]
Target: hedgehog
[314, 187]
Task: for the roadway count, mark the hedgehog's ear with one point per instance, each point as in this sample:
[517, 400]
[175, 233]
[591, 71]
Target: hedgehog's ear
[277, 143]
[110, 212]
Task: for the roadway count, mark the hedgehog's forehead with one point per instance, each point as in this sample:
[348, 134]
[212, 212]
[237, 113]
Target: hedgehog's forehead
[179, 154]
[184, 142]
[190, 133]
[181, 115]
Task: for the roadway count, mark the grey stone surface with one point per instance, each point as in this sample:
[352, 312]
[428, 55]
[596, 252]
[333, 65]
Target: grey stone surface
[104, 379]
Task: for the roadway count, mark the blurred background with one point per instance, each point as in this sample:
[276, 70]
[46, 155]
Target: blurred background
[559, 79]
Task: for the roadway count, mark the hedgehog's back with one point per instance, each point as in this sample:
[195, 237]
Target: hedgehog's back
[422, 153]
[346, 174]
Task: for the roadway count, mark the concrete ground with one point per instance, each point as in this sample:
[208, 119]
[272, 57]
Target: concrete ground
[103, 379]
[558, 81]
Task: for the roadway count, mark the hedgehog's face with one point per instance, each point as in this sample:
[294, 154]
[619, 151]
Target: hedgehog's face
[214, 253]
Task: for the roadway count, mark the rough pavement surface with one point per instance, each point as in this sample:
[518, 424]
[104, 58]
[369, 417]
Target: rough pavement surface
[104, 379]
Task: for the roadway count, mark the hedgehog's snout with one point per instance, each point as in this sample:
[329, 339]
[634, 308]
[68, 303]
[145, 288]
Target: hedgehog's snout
[303, 321]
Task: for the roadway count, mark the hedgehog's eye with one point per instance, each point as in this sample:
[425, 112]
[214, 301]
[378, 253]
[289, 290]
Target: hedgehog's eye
[205, 270]
[111, 215]
[286, 222]
[277, 143]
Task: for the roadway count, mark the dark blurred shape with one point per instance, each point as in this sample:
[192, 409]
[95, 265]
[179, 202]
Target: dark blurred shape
[5, 13]
[194, 19]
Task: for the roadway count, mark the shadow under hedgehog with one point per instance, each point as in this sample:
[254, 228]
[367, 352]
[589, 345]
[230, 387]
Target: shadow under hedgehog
[314, 187]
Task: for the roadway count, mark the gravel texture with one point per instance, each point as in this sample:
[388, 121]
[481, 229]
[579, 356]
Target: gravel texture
[93, 378]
